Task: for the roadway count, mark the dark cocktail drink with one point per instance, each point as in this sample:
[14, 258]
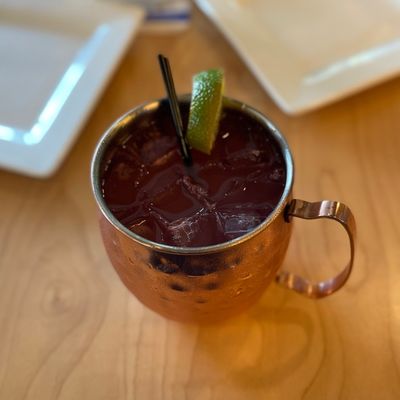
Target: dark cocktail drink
[220, 197]
[202, 243]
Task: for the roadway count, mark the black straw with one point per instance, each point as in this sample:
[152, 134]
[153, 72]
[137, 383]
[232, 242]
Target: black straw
[174, 105]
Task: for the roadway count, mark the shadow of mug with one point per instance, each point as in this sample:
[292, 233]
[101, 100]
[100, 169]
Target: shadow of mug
[259, 348]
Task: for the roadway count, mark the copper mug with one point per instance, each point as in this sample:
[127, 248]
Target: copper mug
[210, 283]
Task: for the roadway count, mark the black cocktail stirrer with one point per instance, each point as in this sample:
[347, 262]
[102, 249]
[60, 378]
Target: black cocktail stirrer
[174, 105]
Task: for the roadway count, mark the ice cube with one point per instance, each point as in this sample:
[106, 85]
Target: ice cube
[155, 149]
[194, 188]
[141, 228]
[277, 174]
[236, 222]
[198, 192]
[184, 230]
[162, 160]
[124, 171]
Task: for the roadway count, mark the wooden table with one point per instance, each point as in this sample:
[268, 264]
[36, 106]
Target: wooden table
[70, 330]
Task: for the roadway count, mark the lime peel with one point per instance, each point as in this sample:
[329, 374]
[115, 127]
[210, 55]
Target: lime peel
[205, 109]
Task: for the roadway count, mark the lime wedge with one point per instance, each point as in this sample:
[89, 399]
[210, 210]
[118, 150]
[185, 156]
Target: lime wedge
[205, 109]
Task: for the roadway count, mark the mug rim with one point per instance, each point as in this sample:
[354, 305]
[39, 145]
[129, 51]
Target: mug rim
[149, 106]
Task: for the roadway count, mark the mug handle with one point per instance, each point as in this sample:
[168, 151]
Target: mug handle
[320, 209]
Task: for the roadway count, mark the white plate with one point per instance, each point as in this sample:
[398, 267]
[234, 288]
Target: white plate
[56, 57]
[307, 53]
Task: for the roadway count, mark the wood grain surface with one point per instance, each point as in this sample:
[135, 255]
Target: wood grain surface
[70, 330]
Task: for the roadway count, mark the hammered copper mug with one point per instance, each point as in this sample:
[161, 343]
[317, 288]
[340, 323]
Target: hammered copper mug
[210, 283]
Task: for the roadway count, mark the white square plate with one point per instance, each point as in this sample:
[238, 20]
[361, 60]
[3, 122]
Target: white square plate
[56, 57]
[307, 53]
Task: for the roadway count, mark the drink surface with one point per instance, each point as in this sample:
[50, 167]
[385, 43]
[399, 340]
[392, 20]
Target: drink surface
[220, 197]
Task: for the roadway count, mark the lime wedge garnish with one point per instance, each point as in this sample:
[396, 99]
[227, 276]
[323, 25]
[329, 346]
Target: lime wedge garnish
[205, 109]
